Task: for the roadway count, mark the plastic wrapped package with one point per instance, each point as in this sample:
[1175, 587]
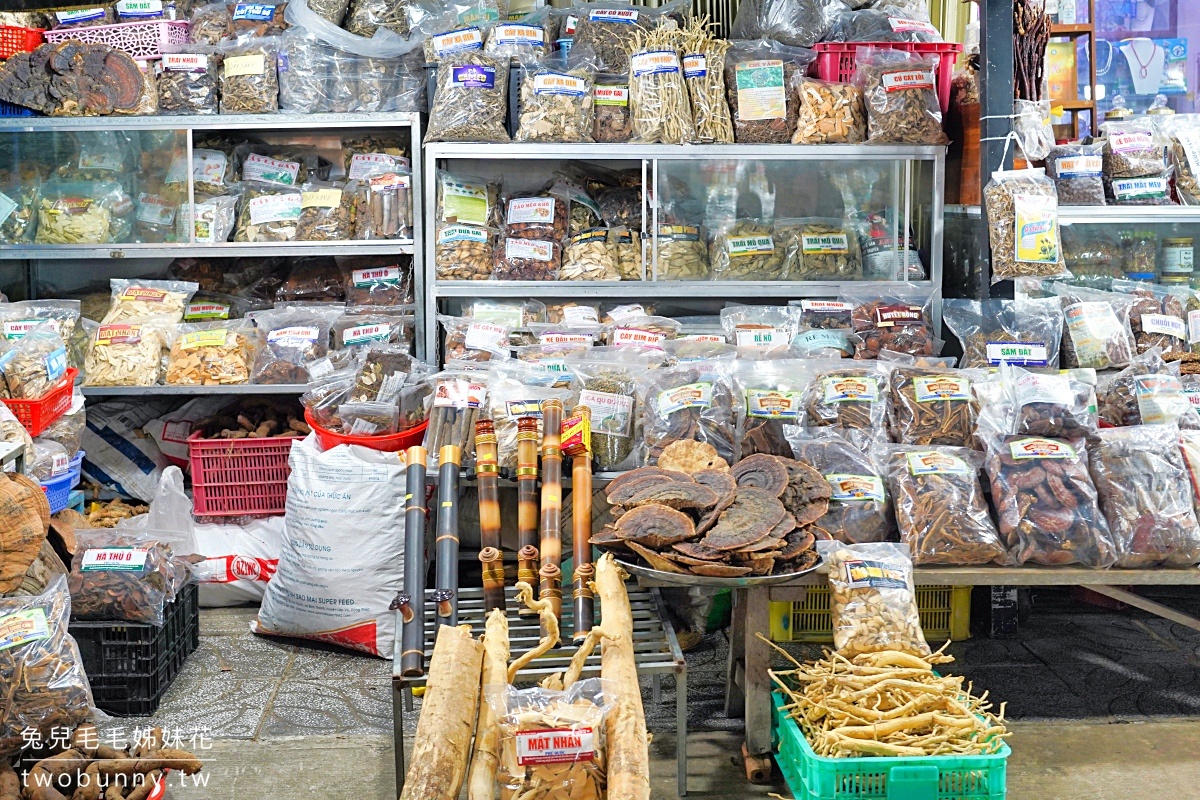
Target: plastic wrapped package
[1046, 502]
[369, 419]
[269, 212]
[797, 23]
[611, 108]
[881, 24]
[1147, 392]
[459, 398]
[20, 224]
[293, 338]
[79, 212]
[1182, 132]
[659, 106]
[747, 250]
[611, 29]
[830, 113]
[213, 354]
[258, 20]
[823, 329]
[860, 510]
[606, 380]
[1078, 173]
[187, 80]
[770, 396]
[588, 257]
[682, 253]
[383, 205]
[758, 327]
[839, 394]
[35, 363]
[49, 460]
[286, 165]
[1146, 496]
[1157, 318]
[19, 318]
[365, 17]
[315, 279]
[377, 281]
[1022, 216]
[327, 213]
[704, 75]
[363, 327]
[1096, 331]
[556, 99]
[692, 401]
[528, 36]
[306, 66]
[1049, 405]
[121, 575]
[1133, 148]
[900, 321]
[468, 339]
[933, 406]
[471, 100]
[821, 249]
[1021, 332]
[522, 259]
[940, 506]
[456, 26]
[128, 353]
[643, 331]
[1093, 257]
[384, 371]
[758, 77]
[212, 24]
[518, 390]
[901, 97]
[873, 603]
[1147, 190]
[68, 429]
[249, 80]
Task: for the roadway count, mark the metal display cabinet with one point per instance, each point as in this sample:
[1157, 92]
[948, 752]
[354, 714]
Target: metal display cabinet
[179, 133]
[786, 181]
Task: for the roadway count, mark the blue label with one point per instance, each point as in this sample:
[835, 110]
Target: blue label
[253, 11]
[56, 364]
[474, 76]
[283, 61]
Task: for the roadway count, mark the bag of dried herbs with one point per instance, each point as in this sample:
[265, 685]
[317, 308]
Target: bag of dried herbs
[644, 331]
[526, 37]
[457, 26]
[35, 363]
[1078, 173]
[312, 75]
[1182, 133]
[1158, 317]
[257, 20]
[1022, 332]
[691, 401]
[1096, 330]
[823, 329]
[517, 390]
[606, 380]
[365, 17]
[830, 113]
[382, 202]
[848, 395]
[120, 575]
[682, 253]
[1022, 216]
[769, 396]
[249, 77]
[611, 29]
[327, 212]
[458, 399]
[78, 212]
[797, 23]
[658, 99]
[900, 91]
[1150, 190]
[860, 508]
[881, 24]
[21, 221]
[611, 106]
[362, 327]
[758, 327]
[747, 250]
[187, 79]
[269, 212]
[820, 249]
[556, 98]
[758, 74]
[1133, 148]
[377, 280]
[222, 352]
[1147, 392]
[294, 337]
[471, 100]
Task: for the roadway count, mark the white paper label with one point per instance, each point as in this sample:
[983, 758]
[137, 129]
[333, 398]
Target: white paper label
[556, 83]
[826, 306]
[908, 79]
[693, 395]
[622, 313]
[363, 278]
[555, 746]
[931, 462]
[1165, 324]
[155, 210]
[262, 168]
[654, 62]
[299, 336]
[612, 414]
[626, 15]
[760, 338]
[903, 25]
[531, 209]
[528, 249]
[1052, 389]
[275, 208]
[623, 337]
[376, 332]
[59, 463]
[579, 315]
[486, 336]
[1029, 354]
[856, 488]
[1130, 142]
[208, 166]
[185, 62]
[932, 388]
[454, 41]
[527, 35]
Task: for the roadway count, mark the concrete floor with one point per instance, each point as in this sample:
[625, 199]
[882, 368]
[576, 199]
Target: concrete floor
[281, 720]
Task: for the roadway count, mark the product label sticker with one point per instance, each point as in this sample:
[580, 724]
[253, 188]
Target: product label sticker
[522, 35]
[903, 80]
[679, 233]
[275, 208]
[1131, 142]
[531, 209]
[454, 41]
[905, 25]
[1080, 167]
[611, 95]
[549, 338]
[931, 388]
[693, 395]
[695, 65]
[23, 627]
[17, 328]
[772, 404]
[59, 464]
[7, 207]
[107, 559]
[79, 15]
[270, 170]
[487, 336]
[177, 172]
[459, 393]
[1093, 325]
[56, 363]
[760, 90]
[875, 574]
[373, 332]
[321, 198]
[1160, 398]
[579, 315]
[568, 26]
[557, 83]
[898, 315]
[363, 278]
[364, 165]
[931, 462]
[461, 233]
[530, 249]
[625, 312]
[760, 338]
[612, 414]
[1050, 389]
[523, 408]
[259, 12]
[73, 205]
[740, 246]
[1189, 140]
[208, 166]
[390, 182]
[555, 746]
[1035, 447]
[253, 64]
[299, 336]
[107, 335]
[185, 62]
[195, 311]
[624, 337]
[155, 210]
[140, 9]
[821, 339]
[850, 389]
[1022, 354]
[197, 339]
[1139, 188]
[1177, 260]
[1036, 228]
[826, 243]
[473, 76]
[856, 488]
[654, 62]
[625, 15]
[826, 307]
[1193, 327]
[1164, 324]
[143, 294]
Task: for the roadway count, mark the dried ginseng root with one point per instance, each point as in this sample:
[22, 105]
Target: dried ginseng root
[872, 600]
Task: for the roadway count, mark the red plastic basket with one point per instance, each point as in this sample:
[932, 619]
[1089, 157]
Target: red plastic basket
[15, 40]
[239, 476]
[835, 61]
[142, 40]
[37, 415]
[391, 443]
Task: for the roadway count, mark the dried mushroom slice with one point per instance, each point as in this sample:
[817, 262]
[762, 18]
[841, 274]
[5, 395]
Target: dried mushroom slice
[676, 495]
[761, 471]
[626, 491]
[785, 526]
[655, 560]
[689, 457]
[759, 564]
[807, 560]
[720, 481]
[609, 537]
[721, 571]
[656, 526]
[798, 541]
[748, 520]
[768, 544]
[807, 494]
[697, 551]
[641, 472]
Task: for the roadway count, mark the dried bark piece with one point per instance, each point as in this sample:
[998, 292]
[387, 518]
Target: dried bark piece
[720, 481]
[798, 541]
[656, 560]
[641, 472]
[655, 526]
[676, 495]
[698, 551]
[689, 457]
[761, 471]
[721, 571]
[749, 519]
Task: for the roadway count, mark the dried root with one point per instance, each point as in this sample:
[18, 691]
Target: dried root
[545, 612]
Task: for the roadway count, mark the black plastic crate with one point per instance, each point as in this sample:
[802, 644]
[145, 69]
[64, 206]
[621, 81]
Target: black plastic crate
[131, 666]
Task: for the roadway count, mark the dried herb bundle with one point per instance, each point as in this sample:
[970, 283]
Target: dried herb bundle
[658, 99]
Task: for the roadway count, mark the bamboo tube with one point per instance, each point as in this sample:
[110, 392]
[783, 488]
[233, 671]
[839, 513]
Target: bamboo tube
[581, 531]
[481, 781]
[527, 504]
[446, 544]
[487, 470]
[438, 765]
[412, 600]
[625, 725]
[551, 528]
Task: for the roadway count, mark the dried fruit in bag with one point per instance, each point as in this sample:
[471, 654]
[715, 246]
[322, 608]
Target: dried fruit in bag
[1146, 392]
[900, 321]
[747, 250]
[1055, 405]
[830, 113]
[118, 575]
[212, 354]
[135, 298]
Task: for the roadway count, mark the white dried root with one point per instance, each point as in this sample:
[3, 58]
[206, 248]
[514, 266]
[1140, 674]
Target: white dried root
[549, 640]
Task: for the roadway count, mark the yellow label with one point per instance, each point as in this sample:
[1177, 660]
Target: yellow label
[447, 504]
[1037, 228]
[198, 339]
[321, 198]
[254, 64]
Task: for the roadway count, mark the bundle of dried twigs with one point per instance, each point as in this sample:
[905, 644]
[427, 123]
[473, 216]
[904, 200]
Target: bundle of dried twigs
[1031, 33]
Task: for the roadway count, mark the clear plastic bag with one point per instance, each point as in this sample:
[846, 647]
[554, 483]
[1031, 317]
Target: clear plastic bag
[468, 339]
[1031, 124]
[940, 506]
[35, 363]
[556, 99]
[269, 212]
[83, 16]
[692, 401]
[611, 29]
[458, 399]
[128, 353]
[641, 331]
[50, 460]
[1022, 216]
[471, 100]
[187, 79]
[1078, 173]
[377, 281]
[1148, 190]
[606, 379]
[1133, 148]
[872, 601]
[1056, 405]
[758, 327]
[120, 575]
[758, 77]
[453, 27]
[611, 108]
[68, 429]
[849, 396]
[900, 320]
[704, 75]
[212, 24]
[659, 107]
[1046, 503]
[830, 113]
[519, 39]
[1158, 317]
[770, 396]
[327, 213]
[884, 23]
[383, 205]
[747, 250]
[1147, 392]
[1096, 331]
[136, 298]
[821, 249]
[797, 23]
[518, 390]
[860, 510]
[366, 17]
[294, 338]
[360, 327]
[1021, 332]
[370, 418]
[249, 80]
[900, 92]
[46, 686]
[213, 353]
[1183, 135]
[80, 212]
[933, 406]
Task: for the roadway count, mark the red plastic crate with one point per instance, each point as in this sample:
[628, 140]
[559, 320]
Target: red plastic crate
[239, 476]
[37, 415]
[15, 40]
[835, 61]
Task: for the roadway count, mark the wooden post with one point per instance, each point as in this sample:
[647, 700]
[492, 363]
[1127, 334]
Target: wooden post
[481, 782]
[551, 521]
[581, 528]
[527, 504]
[446, 546]
[412, 600]
[487, 470]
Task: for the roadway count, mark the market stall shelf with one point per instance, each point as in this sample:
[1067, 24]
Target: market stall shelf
[656, 650]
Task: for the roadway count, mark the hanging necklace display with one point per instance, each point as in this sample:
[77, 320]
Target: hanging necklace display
[1145, 66]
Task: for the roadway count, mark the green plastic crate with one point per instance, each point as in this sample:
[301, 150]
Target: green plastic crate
[945, 614]
[814, 777]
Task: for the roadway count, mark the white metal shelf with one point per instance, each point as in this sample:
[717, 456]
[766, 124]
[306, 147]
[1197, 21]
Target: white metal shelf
[1106, 215]
[235, 389]
[51, 252]
[212, 122]
[639, 152]
[775, 290]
